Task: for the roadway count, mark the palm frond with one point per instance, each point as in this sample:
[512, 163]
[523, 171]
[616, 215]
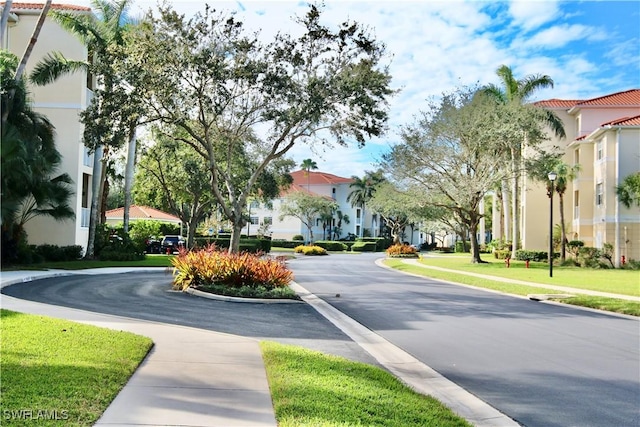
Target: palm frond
[53, 66]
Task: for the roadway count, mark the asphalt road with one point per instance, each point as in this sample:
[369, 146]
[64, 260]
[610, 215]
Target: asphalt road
[148, 296]
[543, 365]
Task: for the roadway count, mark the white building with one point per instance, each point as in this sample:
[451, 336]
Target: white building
[319, 184]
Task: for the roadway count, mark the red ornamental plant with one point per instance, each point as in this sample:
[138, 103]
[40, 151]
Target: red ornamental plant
[211, 266]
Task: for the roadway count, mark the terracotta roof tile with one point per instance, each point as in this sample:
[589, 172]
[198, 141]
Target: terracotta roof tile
[625, 121]
[628, 97]
[15, 7]
[142, 212]
[557, 103]
[317, 178]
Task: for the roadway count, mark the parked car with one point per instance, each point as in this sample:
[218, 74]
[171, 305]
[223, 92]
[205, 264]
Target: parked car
[154, 245]
[171, 244]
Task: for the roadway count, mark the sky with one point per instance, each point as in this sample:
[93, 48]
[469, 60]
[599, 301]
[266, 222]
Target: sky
[588, 48]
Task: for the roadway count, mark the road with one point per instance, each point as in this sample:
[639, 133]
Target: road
[543, 365]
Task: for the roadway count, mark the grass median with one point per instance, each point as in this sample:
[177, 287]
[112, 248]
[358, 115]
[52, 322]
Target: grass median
[309, 388]
[57, 372]
[624, 282]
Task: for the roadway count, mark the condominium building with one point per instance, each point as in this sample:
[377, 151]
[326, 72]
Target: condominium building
[603, 137]
[61, 102]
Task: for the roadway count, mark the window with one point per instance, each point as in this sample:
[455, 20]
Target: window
[576, 157]
[267, 220]
[599, 149]
[254, 220]
[254, 204]
[576, 204]
[599, 194]
[358, 214]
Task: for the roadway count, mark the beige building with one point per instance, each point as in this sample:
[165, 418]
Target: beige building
[603, 137]
[61, 102]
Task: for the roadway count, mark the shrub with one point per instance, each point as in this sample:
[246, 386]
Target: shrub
[589, 257]
[463, 246]
[574, 247]
[402, 251]
[57, 253]
[310, 250]
[246, 245]
[298, 237]
[210, 266]
[524, 255]
[502, 253]
[331, 245]
[364, 247]
[279, 243]
[382, 243]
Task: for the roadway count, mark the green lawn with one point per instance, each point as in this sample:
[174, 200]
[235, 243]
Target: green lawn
[60, 369]
[149, 261]
[309, 388]
[625, 282]
[607, 304]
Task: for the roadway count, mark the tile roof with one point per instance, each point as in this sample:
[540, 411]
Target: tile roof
[142, 212]
[15, 7]
[557, 103]
[317, 178]
[625, 121]
[626, 98]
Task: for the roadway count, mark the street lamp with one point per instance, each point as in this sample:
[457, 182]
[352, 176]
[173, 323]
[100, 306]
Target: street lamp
[552, 177]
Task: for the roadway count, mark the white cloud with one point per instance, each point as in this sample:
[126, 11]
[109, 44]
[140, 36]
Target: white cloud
[561, 35]
[531, 14]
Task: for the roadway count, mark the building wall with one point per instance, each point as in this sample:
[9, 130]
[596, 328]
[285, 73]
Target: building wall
[61, 102]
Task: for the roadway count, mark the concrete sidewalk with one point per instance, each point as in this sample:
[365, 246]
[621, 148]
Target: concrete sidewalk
[191, 377]
[564, 289]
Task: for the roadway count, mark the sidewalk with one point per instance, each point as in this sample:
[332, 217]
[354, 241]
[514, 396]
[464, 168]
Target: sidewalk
[563, 289]
[191, 377]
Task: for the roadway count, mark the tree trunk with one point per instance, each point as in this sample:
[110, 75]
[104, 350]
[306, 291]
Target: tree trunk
[563, 236]
[128, 176]
[505, 211]
[33, 40]
[515, 209]
[95, 200]
[4, 19]
[475, 247]
[236, 231]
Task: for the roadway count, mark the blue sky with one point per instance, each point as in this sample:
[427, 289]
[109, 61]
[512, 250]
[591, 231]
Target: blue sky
[589, 49]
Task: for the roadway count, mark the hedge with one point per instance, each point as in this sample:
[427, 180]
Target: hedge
[331, 245]
[526, 255]
[249, 245]
[382, 243]
[58, 253]
[278, 243]
[364, 247]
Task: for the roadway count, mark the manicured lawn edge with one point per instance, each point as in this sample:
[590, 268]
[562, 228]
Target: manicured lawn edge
[63, 370]
[309, 388]
[600, 303]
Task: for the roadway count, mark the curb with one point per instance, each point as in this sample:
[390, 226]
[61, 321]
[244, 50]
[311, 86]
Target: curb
[227, 298]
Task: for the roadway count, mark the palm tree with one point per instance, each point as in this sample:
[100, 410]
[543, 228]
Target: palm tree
[519, 91]
[337, 230]
[28, 162]
[565, 173]
[100, 36]
[629, 190]
[363, 190]
[308, 165]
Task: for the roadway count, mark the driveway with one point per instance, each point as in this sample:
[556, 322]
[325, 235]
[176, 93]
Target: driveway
[541, 364]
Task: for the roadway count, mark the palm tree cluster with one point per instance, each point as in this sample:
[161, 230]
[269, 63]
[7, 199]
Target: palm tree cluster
[31, 185]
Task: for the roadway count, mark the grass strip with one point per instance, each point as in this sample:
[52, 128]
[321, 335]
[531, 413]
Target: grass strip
[309, 388]
[607, 304]
[618, 281]
[57, 372]
[149, 261]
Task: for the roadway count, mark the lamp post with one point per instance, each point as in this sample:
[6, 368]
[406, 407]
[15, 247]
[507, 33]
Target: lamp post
[552, 177]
